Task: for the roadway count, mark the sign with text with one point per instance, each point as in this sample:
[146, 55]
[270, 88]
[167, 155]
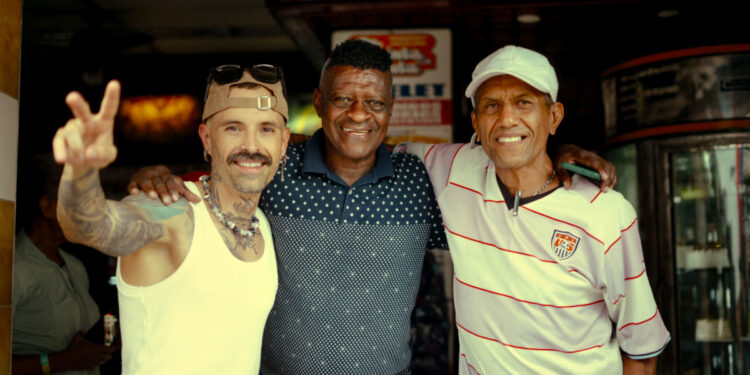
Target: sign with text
[422, 84]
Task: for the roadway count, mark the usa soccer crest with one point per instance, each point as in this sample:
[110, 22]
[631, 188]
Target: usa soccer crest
[564, 244]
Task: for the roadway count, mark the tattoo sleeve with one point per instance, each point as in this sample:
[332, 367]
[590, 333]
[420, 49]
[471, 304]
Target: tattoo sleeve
[114, 228]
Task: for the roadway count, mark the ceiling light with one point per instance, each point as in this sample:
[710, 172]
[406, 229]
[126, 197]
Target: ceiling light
[528, 18]
[159, 118]
[667, 13]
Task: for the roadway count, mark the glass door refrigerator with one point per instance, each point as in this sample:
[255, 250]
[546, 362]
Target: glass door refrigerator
[678, 130]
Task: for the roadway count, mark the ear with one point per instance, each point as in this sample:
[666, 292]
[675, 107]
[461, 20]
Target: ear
[48, 207]
[474, 124]
[557, 112]
[317, 102]
[205, 138]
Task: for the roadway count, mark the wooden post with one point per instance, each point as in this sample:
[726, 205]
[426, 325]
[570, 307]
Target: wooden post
[10, 52]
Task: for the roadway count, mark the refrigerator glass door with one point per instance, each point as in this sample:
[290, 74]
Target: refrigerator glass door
[709, 221]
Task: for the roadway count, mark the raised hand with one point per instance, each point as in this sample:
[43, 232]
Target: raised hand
[86, 141]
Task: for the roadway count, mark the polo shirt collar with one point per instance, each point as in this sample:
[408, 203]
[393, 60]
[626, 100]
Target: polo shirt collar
[313, 162]
[510, 197]
[25, 246]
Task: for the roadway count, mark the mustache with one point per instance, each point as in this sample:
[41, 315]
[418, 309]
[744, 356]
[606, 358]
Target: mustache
[256, 156]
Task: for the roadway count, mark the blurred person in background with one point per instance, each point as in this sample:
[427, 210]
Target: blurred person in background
[52, 307]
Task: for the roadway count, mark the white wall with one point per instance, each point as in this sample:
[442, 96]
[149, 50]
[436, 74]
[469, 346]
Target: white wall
[8, 146]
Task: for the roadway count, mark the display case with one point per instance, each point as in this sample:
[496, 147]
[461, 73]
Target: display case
[678, 130]
[692, 194]
[709, 205]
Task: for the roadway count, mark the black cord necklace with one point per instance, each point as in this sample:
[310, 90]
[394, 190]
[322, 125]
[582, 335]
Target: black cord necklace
[517, 199]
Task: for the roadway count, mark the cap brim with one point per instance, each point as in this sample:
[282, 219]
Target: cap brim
[479, 80]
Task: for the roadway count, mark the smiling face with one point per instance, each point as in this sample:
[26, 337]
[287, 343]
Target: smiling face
[513, 121]
[245, 144]
[355, 107]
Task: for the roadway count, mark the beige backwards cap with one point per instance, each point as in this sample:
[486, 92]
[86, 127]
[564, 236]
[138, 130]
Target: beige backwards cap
[217, 98]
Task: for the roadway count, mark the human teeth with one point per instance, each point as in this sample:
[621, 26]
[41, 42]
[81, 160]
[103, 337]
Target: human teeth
[249, 164]
[356, 131]
[509, 139]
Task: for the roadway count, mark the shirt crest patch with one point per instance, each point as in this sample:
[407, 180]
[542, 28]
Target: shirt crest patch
[564, 244]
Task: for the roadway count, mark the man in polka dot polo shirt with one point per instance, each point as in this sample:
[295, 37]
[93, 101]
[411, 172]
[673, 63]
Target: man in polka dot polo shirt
[351, 223]
[573, 296]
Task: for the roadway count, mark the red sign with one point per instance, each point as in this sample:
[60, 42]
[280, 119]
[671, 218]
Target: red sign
[411, 53]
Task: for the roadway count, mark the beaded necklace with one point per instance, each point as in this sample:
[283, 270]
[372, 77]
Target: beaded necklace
[237, 231]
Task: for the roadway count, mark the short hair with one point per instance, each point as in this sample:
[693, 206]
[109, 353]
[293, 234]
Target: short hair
[361, 55]
[38, 175]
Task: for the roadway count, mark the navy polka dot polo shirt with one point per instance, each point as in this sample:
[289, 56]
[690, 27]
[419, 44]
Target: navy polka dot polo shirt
[349, 261]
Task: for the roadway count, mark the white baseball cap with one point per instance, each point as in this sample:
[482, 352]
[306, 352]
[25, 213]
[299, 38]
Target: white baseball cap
[522, 63]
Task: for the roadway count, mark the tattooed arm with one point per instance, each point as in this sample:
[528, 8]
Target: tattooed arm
[86, 217]
[85, 144]
[151, 239]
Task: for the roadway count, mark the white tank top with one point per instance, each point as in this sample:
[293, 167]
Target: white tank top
[205, 318]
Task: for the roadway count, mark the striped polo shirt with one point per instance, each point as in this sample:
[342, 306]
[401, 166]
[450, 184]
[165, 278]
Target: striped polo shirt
[560, 288]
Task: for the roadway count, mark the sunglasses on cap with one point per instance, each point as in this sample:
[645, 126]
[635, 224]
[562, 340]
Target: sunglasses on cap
[225, 74]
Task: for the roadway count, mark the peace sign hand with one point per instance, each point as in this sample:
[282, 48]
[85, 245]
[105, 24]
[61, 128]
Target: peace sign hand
[86, 141]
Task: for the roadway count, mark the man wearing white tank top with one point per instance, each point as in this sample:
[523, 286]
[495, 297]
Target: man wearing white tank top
[194, 297]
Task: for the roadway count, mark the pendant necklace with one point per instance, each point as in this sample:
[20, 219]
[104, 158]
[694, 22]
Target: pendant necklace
[517, 199]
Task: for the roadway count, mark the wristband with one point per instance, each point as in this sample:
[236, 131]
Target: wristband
[44, 359]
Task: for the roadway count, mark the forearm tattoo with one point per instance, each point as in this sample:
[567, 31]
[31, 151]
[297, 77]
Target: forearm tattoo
[112, 227]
